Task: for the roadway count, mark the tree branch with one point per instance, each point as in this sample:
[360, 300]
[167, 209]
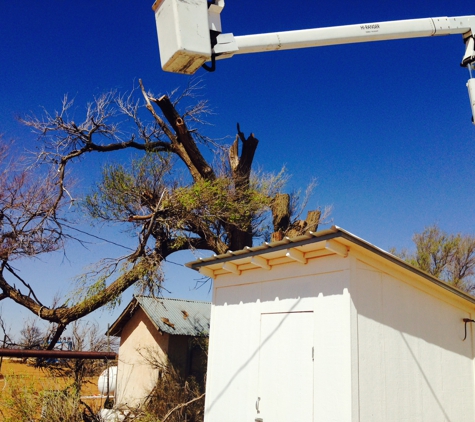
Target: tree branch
[185, 145]
[181, 405]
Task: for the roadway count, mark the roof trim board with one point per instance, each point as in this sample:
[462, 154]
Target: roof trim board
[275, 253]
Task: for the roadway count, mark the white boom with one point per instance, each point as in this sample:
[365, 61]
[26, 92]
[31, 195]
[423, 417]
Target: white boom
[380, 31]
[189, 33]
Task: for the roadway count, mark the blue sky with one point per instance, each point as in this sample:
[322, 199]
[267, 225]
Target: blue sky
[384, 127]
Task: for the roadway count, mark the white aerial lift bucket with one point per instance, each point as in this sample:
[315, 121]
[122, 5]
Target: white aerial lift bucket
[183, 34]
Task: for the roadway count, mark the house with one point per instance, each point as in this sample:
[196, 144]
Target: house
[151, 331]
[328, 327]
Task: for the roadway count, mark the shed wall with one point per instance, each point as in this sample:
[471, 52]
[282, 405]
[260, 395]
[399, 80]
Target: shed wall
[412, 362]
[388, 343]
[235, 344]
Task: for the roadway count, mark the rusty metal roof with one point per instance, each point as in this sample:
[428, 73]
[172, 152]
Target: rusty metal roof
[172, 316]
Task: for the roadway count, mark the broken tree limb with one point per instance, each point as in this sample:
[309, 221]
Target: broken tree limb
[181, 405]
[187, 148]
[280, 208]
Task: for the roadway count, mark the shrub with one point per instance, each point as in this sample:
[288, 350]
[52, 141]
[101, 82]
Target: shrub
[174, 399]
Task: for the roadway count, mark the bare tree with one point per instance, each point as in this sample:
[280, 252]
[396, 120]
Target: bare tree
[5, 338]
[31, 336]
[218, 206]
[83, 336]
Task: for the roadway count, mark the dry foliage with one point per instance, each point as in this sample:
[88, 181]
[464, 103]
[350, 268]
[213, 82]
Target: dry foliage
[84, 337]
[175, 399]
[449, 257]
[216, 205]
[28, 393]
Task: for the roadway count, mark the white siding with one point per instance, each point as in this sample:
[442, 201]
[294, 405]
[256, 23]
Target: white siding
[413, 364]
[286, 353]
[232, 357]
[387, 343]
[233, 369]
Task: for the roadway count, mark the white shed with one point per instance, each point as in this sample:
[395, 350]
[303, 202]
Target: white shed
[327, 327]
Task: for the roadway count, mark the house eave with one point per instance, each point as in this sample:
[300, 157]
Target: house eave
[115, 329]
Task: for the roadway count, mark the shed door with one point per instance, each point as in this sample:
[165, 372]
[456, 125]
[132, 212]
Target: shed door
[285, 389]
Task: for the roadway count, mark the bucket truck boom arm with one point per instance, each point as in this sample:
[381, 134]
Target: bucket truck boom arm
[189, 33]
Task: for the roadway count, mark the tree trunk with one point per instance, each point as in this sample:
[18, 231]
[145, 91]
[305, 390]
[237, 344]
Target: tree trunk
[240, 235]
[281, 220]
[281, 212]
[312, 220]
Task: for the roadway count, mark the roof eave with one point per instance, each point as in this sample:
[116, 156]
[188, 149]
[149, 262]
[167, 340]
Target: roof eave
[115, 329]
[294, 242]
[332, 233]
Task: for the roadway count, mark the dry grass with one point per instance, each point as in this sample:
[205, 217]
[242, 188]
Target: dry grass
[27, 392]
[40, 378]
[22, 386]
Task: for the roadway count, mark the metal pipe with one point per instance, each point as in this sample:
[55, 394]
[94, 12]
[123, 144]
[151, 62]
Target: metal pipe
[60, 354]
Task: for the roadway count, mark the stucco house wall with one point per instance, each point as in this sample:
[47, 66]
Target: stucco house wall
[155, 331]
[381, 341]
[135, 376]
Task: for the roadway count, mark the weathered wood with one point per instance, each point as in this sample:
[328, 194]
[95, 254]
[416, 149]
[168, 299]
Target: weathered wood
[276, 236]
[242, 171]
[241, 236]
[296, 229]
[233, 154]
[185, 144]
[281, 220]
[301, 227]
[280, 208]
[312, 220]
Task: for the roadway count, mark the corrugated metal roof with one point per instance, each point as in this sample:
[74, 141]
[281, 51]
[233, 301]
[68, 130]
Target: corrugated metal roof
[172, 316]
[176, 316]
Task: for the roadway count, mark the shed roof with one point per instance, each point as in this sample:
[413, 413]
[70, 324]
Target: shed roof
[302, 248]
[172, 316]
